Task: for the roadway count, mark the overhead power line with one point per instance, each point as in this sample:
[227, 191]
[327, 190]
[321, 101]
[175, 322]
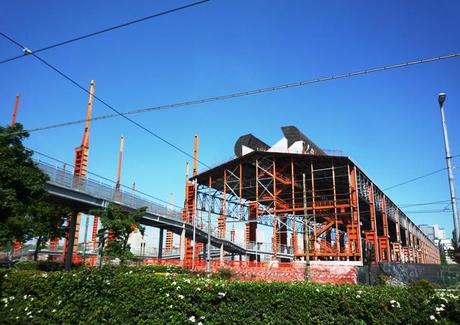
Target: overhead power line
[255, 91]
[109, 29]
[65, 76]
[414, 179]
[428, 211]
[402, 206]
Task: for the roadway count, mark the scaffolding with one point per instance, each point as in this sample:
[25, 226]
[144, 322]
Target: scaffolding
[350, 218]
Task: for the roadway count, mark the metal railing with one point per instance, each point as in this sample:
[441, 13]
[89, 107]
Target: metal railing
[59, 176]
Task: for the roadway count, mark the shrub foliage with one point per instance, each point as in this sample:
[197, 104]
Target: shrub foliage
[150, 295]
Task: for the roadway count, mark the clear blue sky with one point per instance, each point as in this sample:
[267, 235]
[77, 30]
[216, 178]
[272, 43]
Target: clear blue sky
[387, 122]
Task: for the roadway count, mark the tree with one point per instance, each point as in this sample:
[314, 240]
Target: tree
[117, 225]
[21, 185]
[451, 251]
[47, 222]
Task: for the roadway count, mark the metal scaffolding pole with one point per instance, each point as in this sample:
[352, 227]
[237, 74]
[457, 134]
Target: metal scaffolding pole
[306, 237]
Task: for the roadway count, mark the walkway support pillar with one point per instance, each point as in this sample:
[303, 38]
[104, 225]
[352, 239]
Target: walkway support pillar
[160, 244]
[70, 242]
[182, 245]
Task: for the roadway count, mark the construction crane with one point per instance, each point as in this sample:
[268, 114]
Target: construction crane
[81, 163]
[120, 163]
[15, 110]
[17, 245]
[169, 234]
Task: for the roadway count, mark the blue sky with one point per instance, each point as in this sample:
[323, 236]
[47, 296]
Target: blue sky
[387, 122]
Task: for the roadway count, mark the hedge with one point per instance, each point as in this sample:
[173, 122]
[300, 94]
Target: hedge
[146, 295]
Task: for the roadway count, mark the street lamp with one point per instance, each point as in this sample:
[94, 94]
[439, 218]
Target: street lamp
[450, 171]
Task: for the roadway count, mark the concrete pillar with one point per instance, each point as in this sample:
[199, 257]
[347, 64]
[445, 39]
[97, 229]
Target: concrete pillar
[70, 242]
[221, 254]
[182, 244]
[160, 244]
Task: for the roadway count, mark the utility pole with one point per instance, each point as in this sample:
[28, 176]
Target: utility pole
[306, 237]
[450, 173]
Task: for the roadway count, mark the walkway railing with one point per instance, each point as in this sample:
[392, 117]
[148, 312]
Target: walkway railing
[59, 176]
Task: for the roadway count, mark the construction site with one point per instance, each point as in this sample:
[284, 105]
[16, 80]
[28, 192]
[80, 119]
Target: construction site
[314, 207]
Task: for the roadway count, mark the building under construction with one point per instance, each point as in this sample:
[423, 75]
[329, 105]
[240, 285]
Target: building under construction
[319, 206]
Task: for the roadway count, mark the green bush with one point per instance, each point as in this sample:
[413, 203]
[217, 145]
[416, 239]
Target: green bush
[145, 295]
[224, 273]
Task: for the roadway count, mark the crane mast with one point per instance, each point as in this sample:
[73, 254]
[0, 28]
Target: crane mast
[81, 166]
[15, 110]
[82, 152]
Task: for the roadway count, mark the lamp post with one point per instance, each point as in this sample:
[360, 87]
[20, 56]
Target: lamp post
[450, 172]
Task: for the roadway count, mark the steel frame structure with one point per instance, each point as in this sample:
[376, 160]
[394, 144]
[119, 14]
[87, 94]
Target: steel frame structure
[347, 212]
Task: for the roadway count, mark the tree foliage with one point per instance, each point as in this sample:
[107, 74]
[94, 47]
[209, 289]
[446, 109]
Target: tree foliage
[47, 222]
[21, 185]
[117, 225]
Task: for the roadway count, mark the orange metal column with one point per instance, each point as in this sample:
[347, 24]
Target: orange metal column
[371, 236]
[354, 229]
[384, 241]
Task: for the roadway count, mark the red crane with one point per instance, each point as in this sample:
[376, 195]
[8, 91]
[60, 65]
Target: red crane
[15, 110]
[81, 162]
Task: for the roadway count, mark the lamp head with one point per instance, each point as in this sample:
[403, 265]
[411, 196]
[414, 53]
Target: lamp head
[441, 98]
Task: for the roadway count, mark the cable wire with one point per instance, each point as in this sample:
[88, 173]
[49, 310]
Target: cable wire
[415, 179]
[253, 92]
[65, 76]
[109, 29]
[402, 206]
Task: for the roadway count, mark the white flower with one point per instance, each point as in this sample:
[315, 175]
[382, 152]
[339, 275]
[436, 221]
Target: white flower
[44, 275]
[177, 288]
[167, 295]
[187, 280]
[358, 296]
[202, 317]
[26, 309]
[59, 302]
[12, 298]
[5, 276]
[170, 306]
[130, 271]
[199, 323]
[317, 290]
[361, 291]
[5, 300]
[174, 283]
[181, 296]
[74, 274]
[29, 313]
[221, 294]
[198, 289]
[25, 297]
[192, 319]
[31, 298]
[432, 317]
[53, 311]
